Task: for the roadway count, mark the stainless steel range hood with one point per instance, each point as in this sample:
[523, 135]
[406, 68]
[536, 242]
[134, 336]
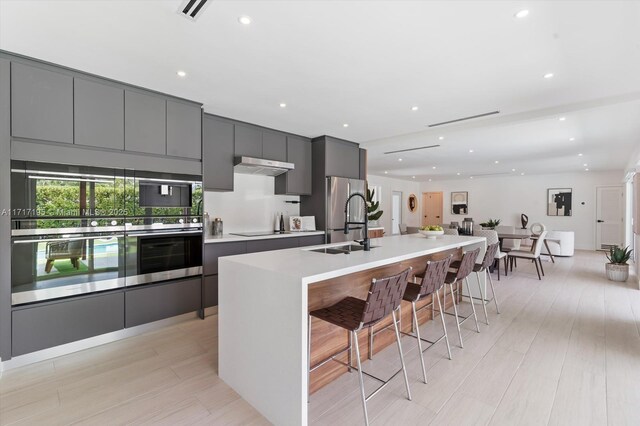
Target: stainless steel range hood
[259, 166]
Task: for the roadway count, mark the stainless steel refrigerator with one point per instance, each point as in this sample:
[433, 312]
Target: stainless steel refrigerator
[338, 190]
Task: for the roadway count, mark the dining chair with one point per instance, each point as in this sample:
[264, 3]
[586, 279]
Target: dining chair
[492, 238]
[532, 255]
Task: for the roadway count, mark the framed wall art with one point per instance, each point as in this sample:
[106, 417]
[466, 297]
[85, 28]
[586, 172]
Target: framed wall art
[559, 202]
[460, 203]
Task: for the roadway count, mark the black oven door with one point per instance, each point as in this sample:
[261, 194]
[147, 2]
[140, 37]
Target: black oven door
[161, 256]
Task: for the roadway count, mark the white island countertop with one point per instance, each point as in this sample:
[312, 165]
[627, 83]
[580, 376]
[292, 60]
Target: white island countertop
[310, 266]
[229, 238]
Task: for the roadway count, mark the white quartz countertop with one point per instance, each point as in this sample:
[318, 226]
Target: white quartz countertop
[311, 266]
[228, 238]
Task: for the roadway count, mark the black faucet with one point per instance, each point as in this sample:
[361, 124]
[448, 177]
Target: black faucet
[365, 242]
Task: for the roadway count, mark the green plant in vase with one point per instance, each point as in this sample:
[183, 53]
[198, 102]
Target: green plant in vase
[491, 223]
[373, 212]
[617, 268]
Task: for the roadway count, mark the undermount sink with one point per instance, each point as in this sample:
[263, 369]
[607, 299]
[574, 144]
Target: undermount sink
[346, 249]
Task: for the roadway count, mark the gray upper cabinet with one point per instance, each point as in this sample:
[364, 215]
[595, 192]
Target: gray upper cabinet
[342, 159]
[145, 123]
[274, 146]
[248, 140]
[363, 164]
[98, 114]
[298, 180]
[41, 104]
[184, 130]
[217, 154]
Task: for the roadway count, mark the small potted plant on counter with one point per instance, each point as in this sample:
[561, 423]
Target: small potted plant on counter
[490, 224]
[617, 268]
[373, 214]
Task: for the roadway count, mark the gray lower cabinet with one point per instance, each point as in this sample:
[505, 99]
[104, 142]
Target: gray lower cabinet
[184, 130]
[144, 123]
[254, 246]
[56, 323]
[342, 159]
[248, 141]
[210, 291]
[274, 146]
[296, 181]
[213, 251]
[98, 114]
[311, 240]
[217, 154]
[159, 301]
[41, 104]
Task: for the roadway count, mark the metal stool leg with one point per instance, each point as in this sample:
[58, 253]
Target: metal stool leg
[370, 342]
[493, 291]
[308, 356]
[455, 311]
[484, 305]
[473, 305]
[350, 353]
[362, 394]
[444, 326]
[420, 354]
[404, 369]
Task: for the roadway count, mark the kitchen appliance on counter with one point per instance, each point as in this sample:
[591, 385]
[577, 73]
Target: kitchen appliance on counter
[79, 230]
[338, 192]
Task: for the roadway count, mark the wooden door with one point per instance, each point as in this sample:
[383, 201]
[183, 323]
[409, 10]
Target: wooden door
[431, 208]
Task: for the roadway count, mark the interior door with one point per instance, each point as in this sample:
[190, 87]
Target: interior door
[609, 217]
[431, 208]
[396, 212]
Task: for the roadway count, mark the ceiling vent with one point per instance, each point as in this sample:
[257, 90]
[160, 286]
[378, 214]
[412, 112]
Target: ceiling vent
[192, 9]
[486, 114]
[411, 149]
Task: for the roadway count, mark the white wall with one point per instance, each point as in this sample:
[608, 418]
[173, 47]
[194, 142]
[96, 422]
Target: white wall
[388, 186]
[506, 198]
[251, 206]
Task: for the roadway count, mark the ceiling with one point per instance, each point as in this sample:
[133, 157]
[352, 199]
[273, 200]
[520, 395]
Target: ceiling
[366, 63]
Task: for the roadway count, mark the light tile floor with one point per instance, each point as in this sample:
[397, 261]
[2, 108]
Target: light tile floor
[565, 350]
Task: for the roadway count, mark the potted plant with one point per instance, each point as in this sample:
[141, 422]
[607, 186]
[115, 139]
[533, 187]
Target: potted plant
[373, 214]
[617, 268]
[490, 224]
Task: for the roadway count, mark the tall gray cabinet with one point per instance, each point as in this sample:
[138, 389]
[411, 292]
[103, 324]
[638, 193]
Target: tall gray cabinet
[98, 114]
[217, 153]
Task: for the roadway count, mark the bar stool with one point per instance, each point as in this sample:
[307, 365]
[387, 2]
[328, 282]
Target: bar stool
[353, 315]
[487, 261]
[463, 270]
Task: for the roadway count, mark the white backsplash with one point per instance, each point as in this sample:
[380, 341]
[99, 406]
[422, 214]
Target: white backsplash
[251, 206]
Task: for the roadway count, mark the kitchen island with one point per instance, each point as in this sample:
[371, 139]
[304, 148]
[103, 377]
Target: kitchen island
[264, 300]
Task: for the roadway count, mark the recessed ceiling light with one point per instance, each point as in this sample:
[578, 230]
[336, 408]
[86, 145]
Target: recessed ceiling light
[399, 159]
[562, 118]
[434, 167]
[244, 20]
[572, 139]
[496, 162]
[414, 108]
[522, 174]
[283, 105]
[471, 151]
[440, 138]
[386, 172]
[513, 170]
[470, 177]
[413, 177]
[586, 170]
[345, 125]
[522, 14]
[548, 75]
[458, 173]
[585, 165]
[429, 180]
[181, 73]
[580, 155]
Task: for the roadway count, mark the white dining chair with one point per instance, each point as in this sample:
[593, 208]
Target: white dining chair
[492, 238]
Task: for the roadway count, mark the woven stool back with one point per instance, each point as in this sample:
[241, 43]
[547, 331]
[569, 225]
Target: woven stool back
[467, 263]
[434, 275]
[490, 255]
[384, 296]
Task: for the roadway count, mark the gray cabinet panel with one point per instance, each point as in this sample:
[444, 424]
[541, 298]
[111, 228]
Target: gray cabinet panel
[144, 123]
[41, 104]
[184, 130]
[213, 251]
[274, 146]
[363, 164]
[156, 302]
[297, 181]
[5, 200]
[248, 141]
[210, 291]
[311, 240]
[98, 114]
[44, 326]
[217, 154]
[272, 244]
[342, 159]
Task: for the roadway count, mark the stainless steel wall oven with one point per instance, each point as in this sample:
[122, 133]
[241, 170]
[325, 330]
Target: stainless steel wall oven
[78, 230]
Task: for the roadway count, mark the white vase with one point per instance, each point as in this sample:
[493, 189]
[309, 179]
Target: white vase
[616, 272]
